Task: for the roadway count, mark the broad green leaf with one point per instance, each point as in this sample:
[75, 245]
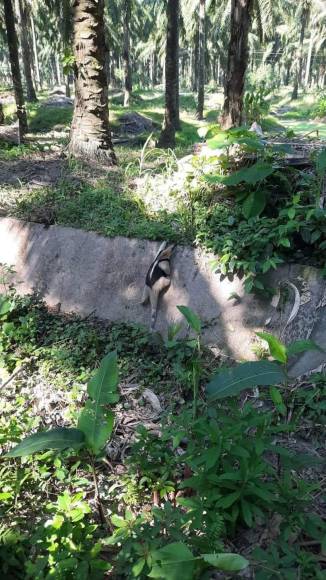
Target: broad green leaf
[6, 495]
[301, 346]
[276, 396]
[138, 567]
[191, 317]
[252, 175]
[228, 500]
[285, 242]
[61, 438]
[321, 162]
[227, 562]
[276, 348]
[277, 400]
[5, 306]
[229, 382]
[173, 562]
[250, 143]
[103, 385]
[118, 521]
[254, 204]
[218, 141]
[96, 424]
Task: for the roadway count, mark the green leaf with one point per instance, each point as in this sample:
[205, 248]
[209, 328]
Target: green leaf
[254, 204]
[291, 213]
[218, 141]
[285, 242]
[60, 438]
[229, 382]
[277, 400]
[252, 175]
[228, 500]
[321, 162]
[103, 385]
[276, 348]
[96, 424]
[302, 346]
[118, 521]
[246, 512]
[191, 317]
[173, 562]
[227, 562]
[138, 567]
[5, 306]
[276, 396]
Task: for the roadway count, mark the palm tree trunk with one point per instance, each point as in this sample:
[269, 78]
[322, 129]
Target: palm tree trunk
[23, 23]
[35, 54]
[309, 58]
[126, 52]
[57, 65]
[201, 61]
[15, 70]
[171, 117]
[237, 63]
[90, 134]
[299, 61]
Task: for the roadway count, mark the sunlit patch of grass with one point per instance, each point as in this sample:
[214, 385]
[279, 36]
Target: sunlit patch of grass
[271, 125]
[43, 119]
[304, 126]
[11, 151]
[102, 208]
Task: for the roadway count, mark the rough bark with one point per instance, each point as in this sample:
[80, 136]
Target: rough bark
[15, 70]
[299, 60]
[237, 63]
[23, 25]
[90, 134]
[171, 117]
[2, 116]
[126, 52]
[201, 61]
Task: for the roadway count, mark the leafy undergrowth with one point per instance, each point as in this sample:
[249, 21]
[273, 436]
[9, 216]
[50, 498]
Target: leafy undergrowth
[193, 479]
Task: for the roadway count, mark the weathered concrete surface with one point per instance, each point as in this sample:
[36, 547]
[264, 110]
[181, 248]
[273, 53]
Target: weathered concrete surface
[89, 273]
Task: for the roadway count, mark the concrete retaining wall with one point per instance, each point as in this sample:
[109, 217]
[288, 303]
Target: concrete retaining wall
[86, 273]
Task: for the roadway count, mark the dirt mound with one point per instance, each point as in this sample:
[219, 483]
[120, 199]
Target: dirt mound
[135, 123]
[58, 100]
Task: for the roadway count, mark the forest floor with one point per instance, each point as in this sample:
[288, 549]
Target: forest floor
[39, 183]
[253, 464]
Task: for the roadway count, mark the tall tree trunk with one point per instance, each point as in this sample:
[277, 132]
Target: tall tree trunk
[15, 70]
[23, 23]
[237, 63]
[201, 61]
[287, 74]
[35, 54]
[299, 59]
[54, 70]
[90, 134]
[2, 116]
[126, 52]
[195, 63]
[57, 65]
[309, 58]
[171, 117]
[67, 86]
